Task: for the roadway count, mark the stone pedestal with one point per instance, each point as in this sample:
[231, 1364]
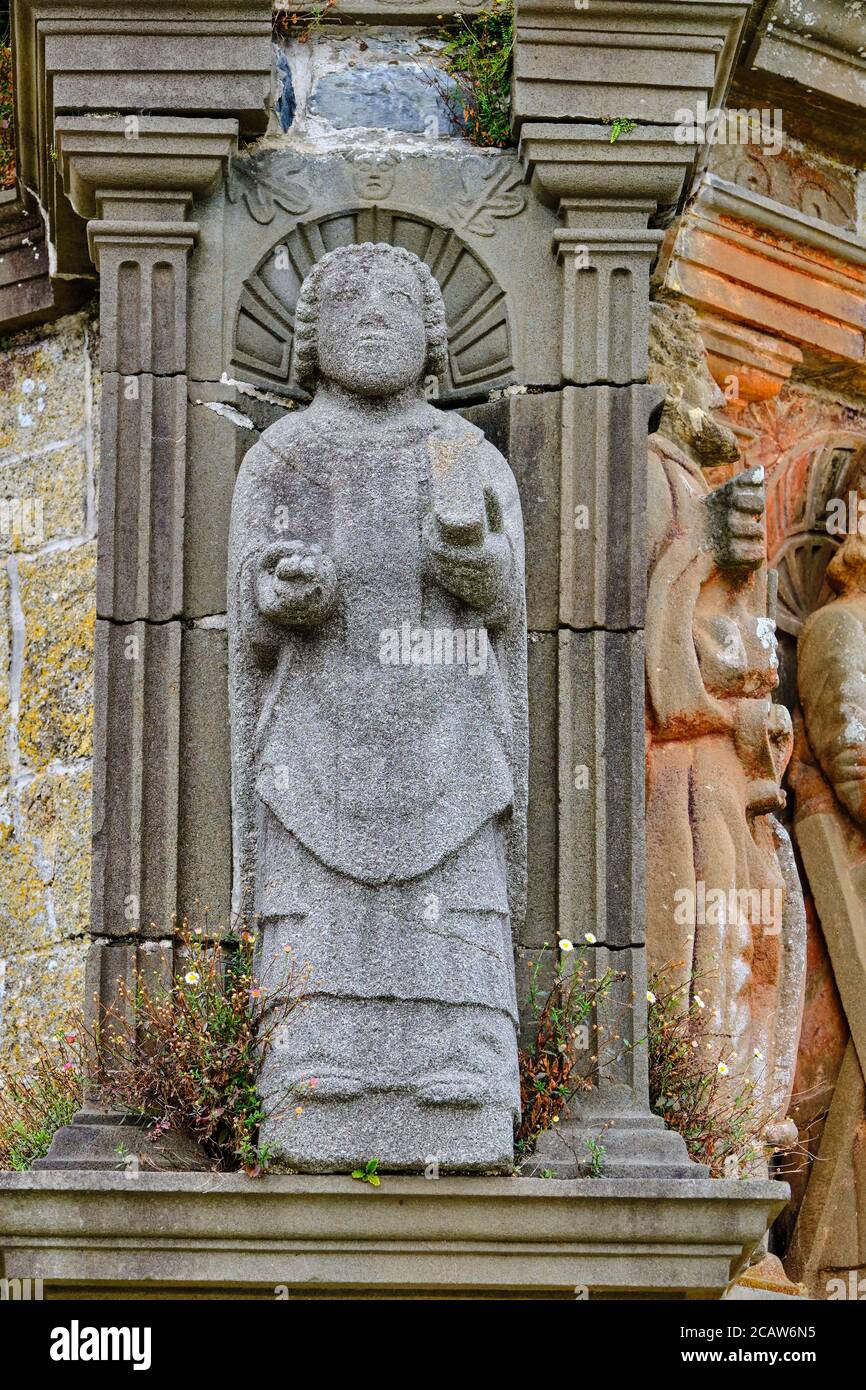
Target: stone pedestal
[197, 1235]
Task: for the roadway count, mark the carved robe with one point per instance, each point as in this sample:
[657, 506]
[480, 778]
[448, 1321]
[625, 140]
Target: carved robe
[724, 907]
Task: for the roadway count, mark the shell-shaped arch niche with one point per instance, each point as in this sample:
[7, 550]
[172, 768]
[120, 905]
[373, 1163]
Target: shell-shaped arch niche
[799, 545]
[479, 338]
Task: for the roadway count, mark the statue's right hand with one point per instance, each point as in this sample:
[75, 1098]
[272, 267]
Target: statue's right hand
[296, 583]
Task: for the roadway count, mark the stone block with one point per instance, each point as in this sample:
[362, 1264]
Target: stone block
[216, 439]
[380, 97]
[43, 387]
[215, 63]
[204, 823]
[645, 62]
[147, 172]
[143, 471]
[526, 427]
[543, 826]
[611, 181]
[44, 498]
[601, 786]
[40, 993]
[135, 797]
[603, 546]
[56, 713]
[495, 1238]
[45, 848]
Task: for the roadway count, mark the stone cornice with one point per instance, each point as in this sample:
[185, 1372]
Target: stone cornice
[732, 200]
[809, 60]
[633, 58]
[743, 259]
[198, 58]
[818, 45]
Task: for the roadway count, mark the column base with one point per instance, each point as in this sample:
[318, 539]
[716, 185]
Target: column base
[100, 1140]
[613, 1143]
[96, 1140]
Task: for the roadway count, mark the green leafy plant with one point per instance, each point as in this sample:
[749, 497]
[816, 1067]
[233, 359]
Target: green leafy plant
[35, 1106]
[368, 1173]
[692, 1087]
[477, 61]
[185, 1049]
[557, 1064]
[620, 125]
[596, 1158]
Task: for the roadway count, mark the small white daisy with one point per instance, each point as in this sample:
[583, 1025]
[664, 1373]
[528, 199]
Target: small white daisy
[566, 945]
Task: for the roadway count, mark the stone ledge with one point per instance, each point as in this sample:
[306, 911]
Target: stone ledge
[163, 1235]
[738, 256]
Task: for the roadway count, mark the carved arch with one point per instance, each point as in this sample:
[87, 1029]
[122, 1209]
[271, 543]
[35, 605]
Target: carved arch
[480, 353]
[799, 545]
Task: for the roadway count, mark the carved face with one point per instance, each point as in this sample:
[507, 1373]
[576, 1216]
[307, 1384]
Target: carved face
[372, 339]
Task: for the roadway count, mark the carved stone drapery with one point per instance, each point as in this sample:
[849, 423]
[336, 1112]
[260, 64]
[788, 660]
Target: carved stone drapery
[380, 788]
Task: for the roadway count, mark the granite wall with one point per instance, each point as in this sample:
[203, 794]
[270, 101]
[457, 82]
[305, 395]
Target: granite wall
[48, 440]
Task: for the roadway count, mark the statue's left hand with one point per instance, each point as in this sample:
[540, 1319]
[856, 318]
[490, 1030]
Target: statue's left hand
[296, 583]
[477, 573]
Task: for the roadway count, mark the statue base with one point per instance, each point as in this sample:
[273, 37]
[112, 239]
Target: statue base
[404, 1135]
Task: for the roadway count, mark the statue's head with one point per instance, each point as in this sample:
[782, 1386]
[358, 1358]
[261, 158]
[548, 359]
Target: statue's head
[371, 319]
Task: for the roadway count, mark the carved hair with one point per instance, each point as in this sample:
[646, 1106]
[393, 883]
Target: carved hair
[306, 348]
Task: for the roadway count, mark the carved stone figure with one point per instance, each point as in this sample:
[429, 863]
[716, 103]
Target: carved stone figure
[378, 695]
[725, 911]
[830, 828]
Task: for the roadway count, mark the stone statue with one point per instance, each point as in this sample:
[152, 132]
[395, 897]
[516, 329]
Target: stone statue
[831, 675]
[378, 697]
[724, 905]
[829, 778]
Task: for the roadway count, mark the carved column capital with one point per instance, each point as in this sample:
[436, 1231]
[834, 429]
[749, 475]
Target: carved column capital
[150, 166]
[135, 179]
